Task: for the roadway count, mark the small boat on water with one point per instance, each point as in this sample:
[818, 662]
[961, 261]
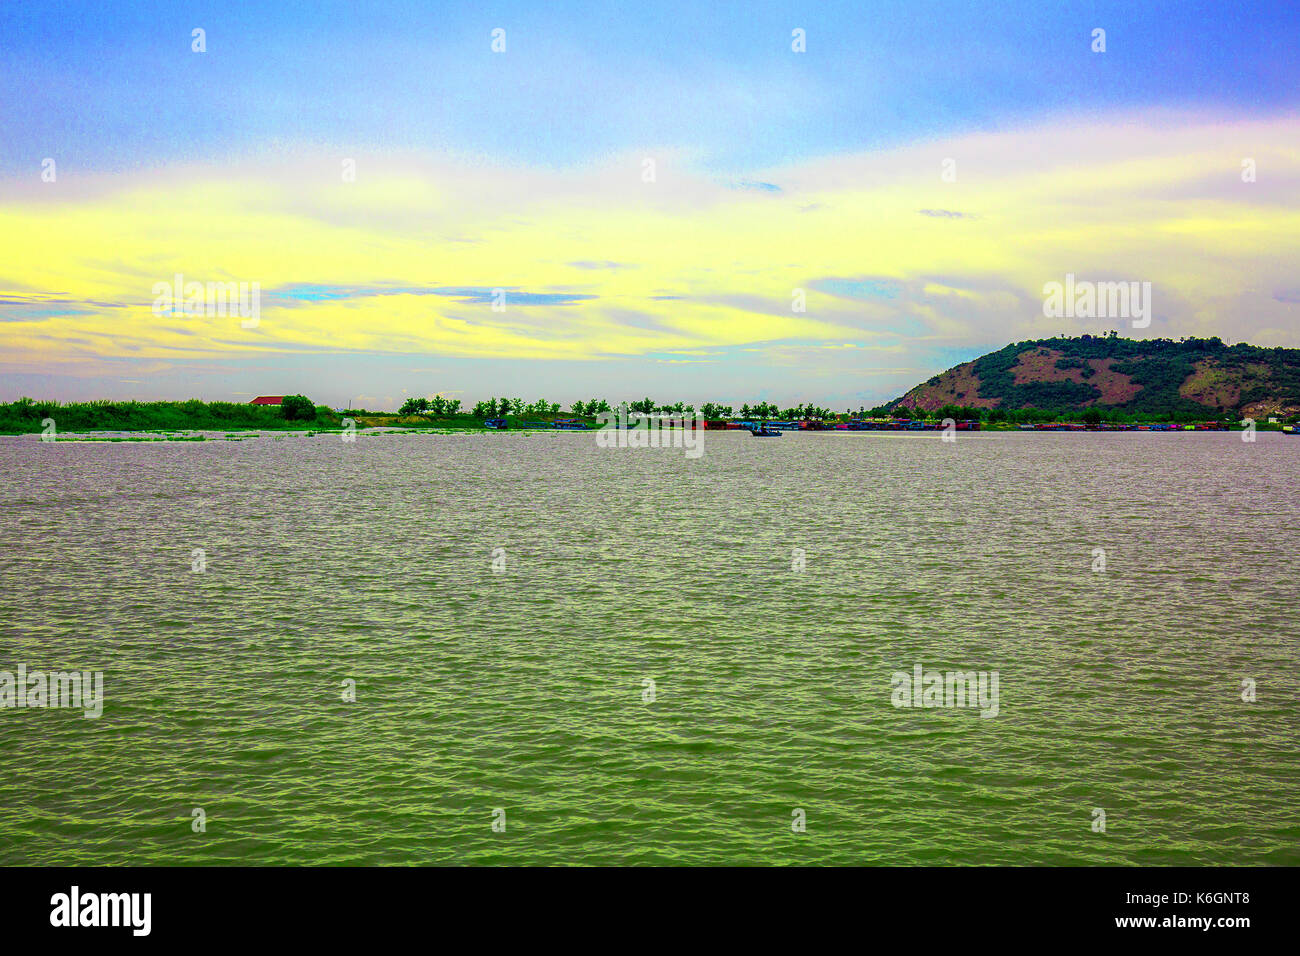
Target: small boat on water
[1291, 429]
[763, 430]
[495, 423]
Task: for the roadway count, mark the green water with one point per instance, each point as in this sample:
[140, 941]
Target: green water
[524, 691]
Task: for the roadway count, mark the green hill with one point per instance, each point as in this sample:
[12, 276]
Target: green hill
[1140, 377]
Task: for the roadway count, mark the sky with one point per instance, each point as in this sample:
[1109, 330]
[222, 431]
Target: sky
[628, 199]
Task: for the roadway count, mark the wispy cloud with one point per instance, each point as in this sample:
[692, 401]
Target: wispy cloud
[599, 266]
[480, 295]
[606, 264]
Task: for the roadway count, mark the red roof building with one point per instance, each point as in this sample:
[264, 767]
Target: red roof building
[268, 400]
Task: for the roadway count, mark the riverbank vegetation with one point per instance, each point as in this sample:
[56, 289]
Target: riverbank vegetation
[28, 415]
[299, 413]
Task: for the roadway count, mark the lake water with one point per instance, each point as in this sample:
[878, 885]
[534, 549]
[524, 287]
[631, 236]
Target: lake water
[526, 689]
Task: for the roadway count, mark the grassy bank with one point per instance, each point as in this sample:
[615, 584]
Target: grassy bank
[26, 416]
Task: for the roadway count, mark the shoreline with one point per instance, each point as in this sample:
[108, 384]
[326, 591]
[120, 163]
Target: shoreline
[148, 436]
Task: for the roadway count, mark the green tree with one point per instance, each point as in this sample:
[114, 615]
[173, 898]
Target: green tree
[296, 408]
[415, 406]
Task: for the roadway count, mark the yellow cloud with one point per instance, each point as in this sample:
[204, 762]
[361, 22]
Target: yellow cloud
[678, 265]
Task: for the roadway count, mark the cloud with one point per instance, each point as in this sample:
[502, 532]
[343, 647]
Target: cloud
[510, 295]
[589, 264]
[858, 288]
[685, 263]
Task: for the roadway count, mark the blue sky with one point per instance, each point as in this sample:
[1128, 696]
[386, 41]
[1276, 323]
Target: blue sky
[101, 82]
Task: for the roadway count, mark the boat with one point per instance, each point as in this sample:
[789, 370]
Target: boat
[763, 430]
[495, 423]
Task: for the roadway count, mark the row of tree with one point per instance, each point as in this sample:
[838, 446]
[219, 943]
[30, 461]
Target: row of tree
[495, 408]
[437, 405]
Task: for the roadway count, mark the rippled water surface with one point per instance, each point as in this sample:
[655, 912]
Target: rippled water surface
[523, 690]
